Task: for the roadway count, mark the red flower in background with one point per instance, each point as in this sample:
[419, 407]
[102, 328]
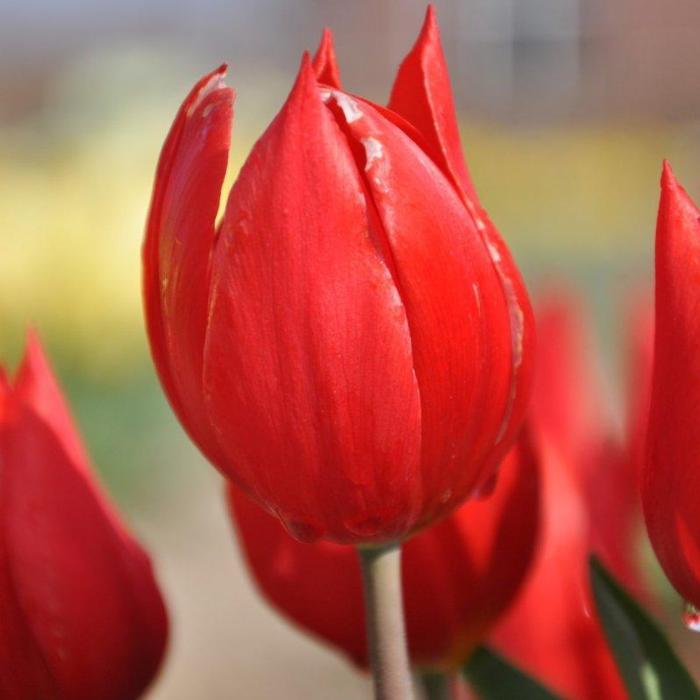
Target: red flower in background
[640, 354]
[671, 478]
[81, 617]
[352, 345]
[590, 503]
[458, 575]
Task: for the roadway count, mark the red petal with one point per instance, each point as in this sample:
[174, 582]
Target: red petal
[317, 586]
[25, 674]
[83, 594]
[325, 63]
[640, 356]
[35, 386]
[177, 249]
[522, 327]
[463, 573]
[308, 367]
[672, 479]
[550, 631]
[460, 325]
[457, 576]
[568, 405]
[423, 95]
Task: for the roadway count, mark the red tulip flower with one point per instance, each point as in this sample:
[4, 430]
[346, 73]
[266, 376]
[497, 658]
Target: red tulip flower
[640, 354]
[81, 617]
[352, 344]
[589, 505]
[458, 575]
[671, 477]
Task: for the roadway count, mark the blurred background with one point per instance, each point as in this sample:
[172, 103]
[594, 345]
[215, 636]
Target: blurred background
[567, 109]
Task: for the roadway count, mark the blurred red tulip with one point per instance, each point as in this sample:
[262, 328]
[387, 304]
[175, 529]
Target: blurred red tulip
[640, 356]
[458, 576]
[352, 346]
[671, 478]
[568, 404]
[590, 504]
[551, 630]
[81, 617]
[571, 409]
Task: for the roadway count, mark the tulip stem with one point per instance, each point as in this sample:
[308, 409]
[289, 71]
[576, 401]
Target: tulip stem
[386, 635]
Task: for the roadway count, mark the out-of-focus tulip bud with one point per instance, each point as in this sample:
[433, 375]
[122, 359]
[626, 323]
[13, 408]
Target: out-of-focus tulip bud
[671, 478]
[551, 629]
[589, 504]
[640, 356]
[568, 404]
[458, 575]
[352, 346]
[81, 617]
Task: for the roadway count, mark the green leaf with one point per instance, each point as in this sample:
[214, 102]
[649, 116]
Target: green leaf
[494, 678]
[647, 663]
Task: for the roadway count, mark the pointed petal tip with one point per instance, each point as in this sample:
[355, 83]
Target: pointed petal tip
[325, 63]
[430, 28]
[209, 85]
[32, 339]
[668, 179]
[306, 62]
[677, 226]
[34, 355]
[213, 81]
[428, 35]
[305, 81]
[673, 194]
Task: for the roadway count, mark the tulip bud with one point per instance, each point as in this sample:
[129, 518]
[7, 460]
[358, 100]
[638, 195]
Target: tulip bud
[458, 575]
[671, 477]
[571, 409]
[81, 617]
[551, 630]
[352, 345]
[640, 359]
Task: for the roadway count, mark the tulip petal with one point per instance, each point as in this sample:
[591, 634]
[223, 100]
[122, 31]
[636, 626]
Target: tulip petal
[422, 94]
[308, 359]
[671, 481]
[25, 673]
[549, 631]
[325, 63]
[640, 361]
[318, 586]
[177, 250]
[36, 386]
[93, 611]
[461, 574]
[458, 576]
[569, 409]
[460, 326]
[568, 406]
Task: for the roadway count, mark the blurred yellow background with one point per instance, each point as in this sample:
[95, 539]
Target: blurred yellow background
[567, 109]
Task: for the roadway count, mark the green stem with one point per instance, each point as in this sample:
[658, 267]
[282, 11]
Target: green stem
[386, 635]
